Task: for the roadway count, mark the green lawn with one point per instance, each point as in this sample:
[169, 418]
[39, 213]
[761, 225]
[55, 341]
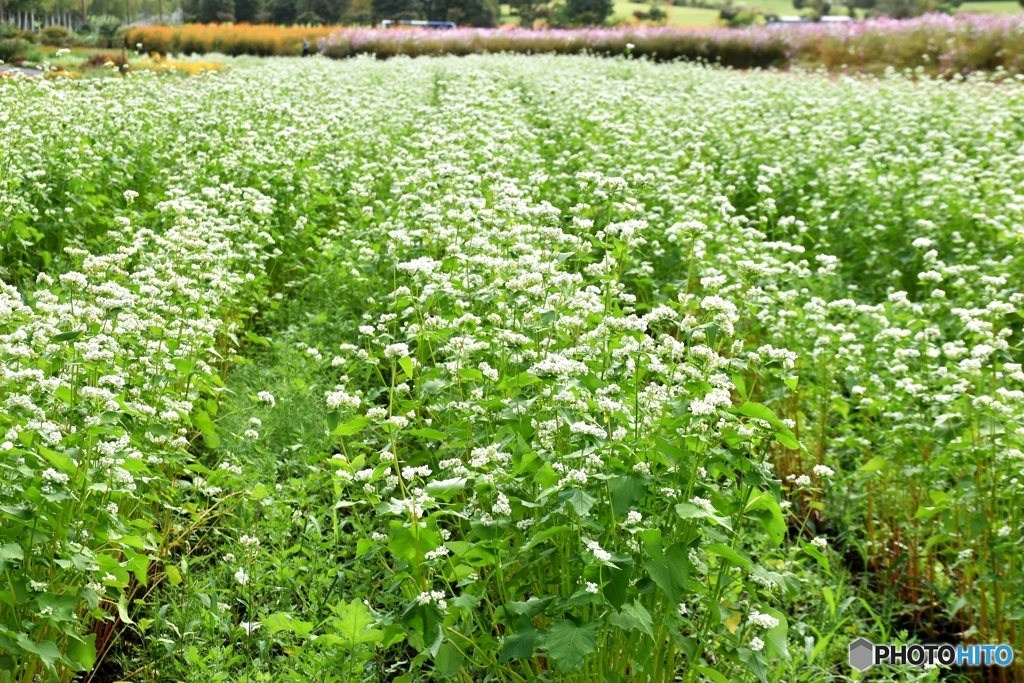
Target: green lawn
[677, 16]
[998, 7]
[694, 16]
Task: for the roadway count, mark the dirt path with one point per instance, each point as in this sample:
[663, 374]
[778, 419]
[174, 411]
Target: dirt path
[5, 69]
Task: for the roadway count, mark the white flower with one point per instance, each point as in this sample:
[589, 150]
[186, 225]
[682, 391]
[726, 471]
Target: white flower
[823, 471]
[820, 542]
[267, 397]
[756, 644]
[241, 577]
[766, 621]
[704, 504]
[395, 351]
[634, 518]
[502, 507]
[599, 553]
[803, 480]
[591, 587]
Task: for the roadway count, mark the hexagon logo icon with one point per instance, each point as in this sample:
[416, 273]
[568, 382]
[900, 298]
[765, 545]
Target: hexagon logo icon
[862, 654]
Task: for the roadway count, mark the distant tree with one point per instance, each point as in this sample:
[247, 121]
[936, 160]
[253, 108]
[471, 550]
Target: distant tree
[284, 12]
[396, 9]
[897, 9]
[903, 9]
[818, 8]
[463, 12]
[246, 10]
[358, 12]
[527, 10]
[586, 12]
[191, 10]
[216, 11]
[325, 11]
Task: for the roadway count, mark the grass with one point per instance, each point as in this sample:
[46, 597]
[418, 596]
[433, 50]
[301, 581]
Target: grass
[997, 7]
[677, 16]
[698, 17]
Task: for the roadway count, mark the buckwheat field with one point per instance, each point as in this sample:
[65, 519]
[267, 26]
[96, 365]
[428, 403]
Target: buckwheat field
[508, 368]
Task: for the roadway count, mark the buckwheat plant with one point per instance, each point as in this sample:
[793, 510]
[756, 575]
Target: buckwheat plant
[108, 372]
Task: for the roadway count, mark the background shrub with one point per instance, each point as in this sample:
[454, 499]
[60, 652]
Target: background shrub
[14, 49]
[54, 35]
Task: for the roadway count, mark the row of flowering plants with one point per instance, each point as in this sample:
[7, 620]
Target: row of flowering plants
[110, 371]
[945, 44]
[552, 474]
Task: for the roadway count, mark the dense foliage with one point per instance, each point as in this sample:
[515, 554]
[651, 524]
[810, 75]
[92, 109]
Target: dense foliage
[549, 368]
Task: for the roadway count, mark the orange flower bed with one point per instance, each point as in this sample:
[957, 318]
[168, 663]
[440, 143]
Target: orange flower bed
[229, 39]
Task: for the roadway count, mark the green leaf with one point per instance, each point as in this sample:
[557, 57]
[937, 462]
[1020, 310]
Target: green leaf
[765, 575]
[711, 674]
[136, 563]
[787, 439]
[578, 499]
[449, 658]
[351, 427]
[406, 364]
[545, 534]
[568, 644]
[728, 553]
[819, 556]
[634, 615]
[208, 429]
[66, 336]
[754, 663]
[670, 570]
[279, 621]
[364, 545]
[446, 489]
[691, 511]
[530, 608]
[354, 625]
[82, 651]
[405, 545]
[122, 609]
[23, 514]
[625, 491]
[520, 644]
[466, 602]
[62, 461]
[616, 586]
[874, 464]
[173, 575]
[259, 492]
[777, 638]
[740, 384]
[773, 521]
[10, 551]
[46, 649]
[427, 433]
[61, 607]
[760, 412]
[471, 373]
